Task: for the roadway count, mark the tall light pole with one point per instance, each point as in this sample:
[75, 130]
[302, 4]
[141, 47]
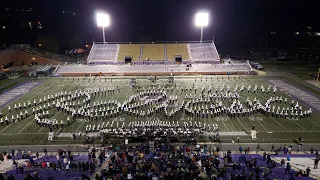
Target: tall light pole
[202, 19]
[103, 20]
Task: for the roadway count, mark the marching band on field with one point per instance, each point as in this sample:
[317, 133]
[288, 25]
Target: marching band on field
[146, 103]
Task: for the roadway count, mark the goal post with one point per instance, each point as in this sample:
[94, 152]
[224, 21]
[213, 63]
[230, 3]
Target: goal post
[318, 77]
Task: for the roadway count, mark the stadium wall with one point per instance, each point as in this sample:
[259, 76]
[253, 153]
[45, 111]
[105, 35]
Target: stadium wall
[17, 57]
[162, 73]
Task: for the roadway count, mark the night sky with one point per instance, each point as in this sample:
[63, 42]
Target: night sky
[232, 22]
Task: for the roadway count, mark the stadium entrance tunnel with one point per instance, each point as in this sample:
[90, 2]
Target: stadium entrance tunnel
[128, 59]
[178, 59]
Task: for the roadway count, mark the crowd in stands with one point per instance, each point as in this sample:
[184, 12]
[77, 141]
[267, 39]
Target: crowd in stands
[185, 162]
[165, 162]
[63, 165]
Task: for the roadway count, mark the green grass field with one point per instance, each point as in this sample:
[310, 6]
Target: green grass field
[270, 129]
[10, 83]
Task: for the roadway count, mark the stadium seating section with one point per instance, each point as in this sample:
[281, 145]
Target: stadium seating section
[177, 49]
[113, 53]
[106, 53]
[42, 53]
[203, 51]
[19, 58]
[103, 52]
[129, 49]
[153, 51]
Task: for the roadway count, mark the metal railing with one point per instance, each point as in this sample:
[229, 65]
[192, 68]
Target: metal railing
[155, 42]
[89, 56]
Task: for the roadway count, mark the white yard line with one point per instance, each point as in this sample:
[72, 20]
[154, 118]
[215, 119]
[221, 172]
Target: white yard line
[225, 126]
[221, 120]
[313, 122]
[25, 126]
[280, 124]
[300, 126]
[79, 126]
[5, 128]
[245, 127]
[261, 124]
[39, 130]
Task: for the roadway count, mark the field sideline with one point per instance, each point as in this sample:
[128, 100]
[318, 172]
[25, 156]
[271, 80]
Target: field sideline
[270, 129]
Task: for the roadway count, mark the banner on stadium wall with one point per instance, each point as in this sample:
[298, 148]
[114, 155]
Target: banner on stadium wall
[76, 51]
[80, 50]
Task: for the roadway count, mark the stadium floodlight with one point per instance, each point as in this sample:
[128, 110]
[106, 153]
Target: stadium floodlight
[202, 19]
[103, 20]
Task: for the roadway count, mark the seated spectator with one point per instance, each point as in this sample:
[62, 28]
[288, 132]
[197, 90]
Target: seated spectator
[97, 177]
[43, 164]
[85, 177]
[308, 170]
[21, 169]
[35, 175]
[29, 164]
[48, 164]
[11, 177]
[54, 166]
[31, 160]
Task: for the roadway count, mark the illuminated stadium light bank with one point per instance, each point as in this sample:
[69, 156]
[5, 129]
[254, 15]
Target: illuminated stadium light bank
[202, 19]
[103, 20]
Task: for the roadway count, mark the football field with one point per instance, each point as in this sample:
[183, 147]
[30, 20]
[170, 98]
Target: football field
[270, 129]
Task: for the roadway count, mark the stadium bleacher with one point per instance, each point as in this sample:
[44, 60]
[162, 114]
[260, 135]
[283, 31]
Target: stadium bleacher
[109, 58]
[177, 49]
[203, 51]
[153, 52]
[103, 53]
[45, 70]
[42, 53]
[129, 49]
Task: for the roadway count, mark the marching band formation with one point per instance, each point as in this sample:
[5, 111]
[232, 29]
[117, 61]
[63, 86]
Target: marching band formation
[155, 100]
